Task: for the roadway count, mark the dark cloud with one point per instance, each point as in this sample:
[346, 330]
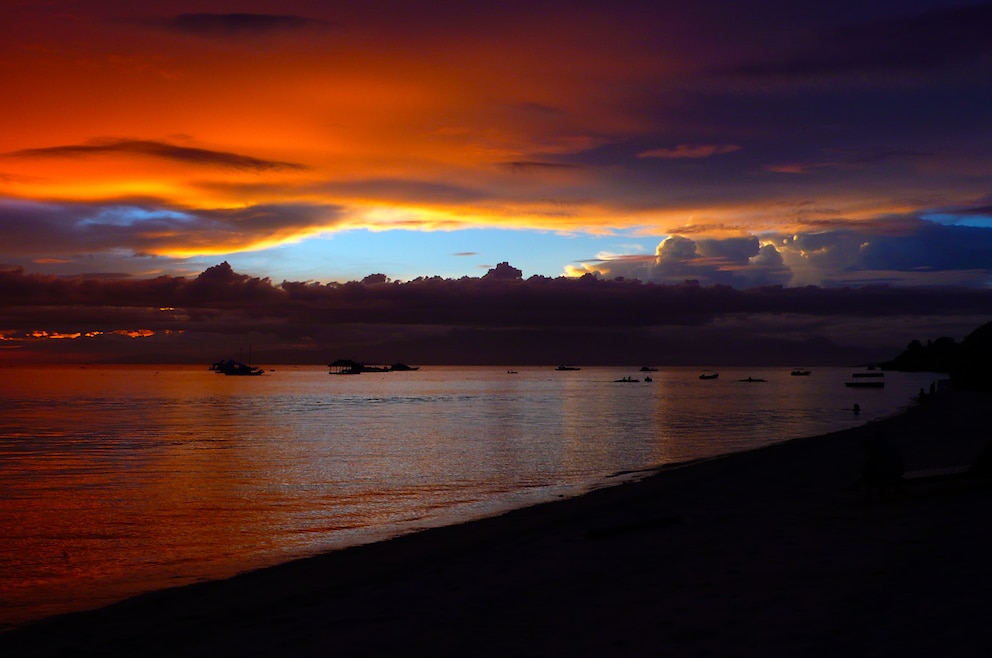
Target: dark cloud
[468, 319]
[373, 279]
[738, 251]
[503, 272]
[903, 245]
[239, 24]
[933, 247]
[144, 226]
[162, 150]
[940, 40]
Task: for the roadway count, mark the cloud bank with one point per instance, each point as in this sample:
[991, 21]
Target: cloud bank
[499, 318]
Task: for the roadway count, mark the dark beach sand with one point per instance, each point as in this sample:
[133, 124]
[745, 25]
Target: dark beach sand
[766, 553]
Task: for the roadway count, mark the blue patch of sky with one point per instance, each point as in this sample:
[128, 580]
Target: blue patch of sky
[130, 215]
[948, 219]
[406, 255]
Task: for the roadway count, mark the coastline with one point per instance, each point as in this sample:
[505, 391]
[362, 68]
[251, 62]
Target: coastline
[767, 552]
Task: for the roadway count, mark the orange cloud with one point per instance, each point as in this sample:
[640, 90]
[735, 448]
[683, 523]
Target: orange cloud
[690, 151]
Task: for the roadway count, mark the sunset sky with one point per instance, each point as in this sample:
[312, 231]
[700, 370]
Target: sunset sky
[766, 143]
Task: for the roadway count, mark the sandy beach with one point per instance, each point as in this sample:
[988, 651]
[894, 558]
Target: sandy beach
[774, 552]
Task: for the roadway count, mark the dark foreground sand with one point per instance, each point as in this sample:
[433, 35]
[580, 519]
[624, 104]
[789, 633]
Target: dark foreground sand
[767, 553]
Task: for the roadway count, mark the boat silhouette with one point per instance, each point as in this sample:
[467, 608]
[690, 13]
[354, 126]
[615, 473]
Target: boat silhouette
[234, 368]
[350, 367]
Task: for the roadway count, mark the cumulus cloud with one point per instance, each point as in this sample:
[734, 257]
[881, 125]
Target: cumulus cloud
[739, 261]
[903, 251]
[676, 251]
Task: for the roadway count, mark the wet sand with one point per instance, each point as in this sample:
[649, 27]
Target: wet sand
[773, 552]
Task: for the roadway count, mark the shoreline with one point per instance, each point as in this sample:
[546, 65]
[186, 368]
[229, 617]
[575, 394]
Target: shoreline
[770, 551]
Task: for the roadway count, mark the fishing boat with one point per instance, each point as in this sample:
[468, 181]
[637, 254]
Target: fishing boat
[798, 372]
[752, 380]
[564, 367]
[709, 375]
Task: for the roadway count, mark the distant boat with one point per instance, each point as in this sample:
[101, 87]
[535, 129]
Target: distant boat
[648, 378]
[235, 368]
[627, 380]
[349, 367]
[346, 367]
[871, 384]
[752, 379]
[648, 369]
[709, 375]
[567, 368]
[870, 379]
[511, 372]
[800, 373]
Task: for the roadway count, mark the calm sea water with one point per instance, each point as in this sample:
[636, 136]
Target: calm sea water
[118, 480]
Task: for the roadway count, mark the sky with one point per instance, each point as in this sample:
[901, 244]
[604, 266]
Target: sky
[763, 146]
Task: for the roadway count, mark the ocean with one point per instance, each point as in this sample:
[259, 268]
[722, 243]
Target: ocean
[120, 480]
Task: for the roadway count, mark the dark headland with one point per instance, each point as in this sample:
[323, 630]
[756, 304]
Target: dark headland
[773, 552]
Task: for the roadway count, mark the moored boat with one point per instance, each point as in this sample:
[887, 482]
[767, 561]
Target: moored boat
[235, 368]
[349, 367]
[869, 379]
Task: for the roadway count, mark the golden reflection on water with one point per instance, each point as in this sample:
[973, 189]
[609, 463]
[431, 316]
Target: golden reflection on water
[118, 480]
